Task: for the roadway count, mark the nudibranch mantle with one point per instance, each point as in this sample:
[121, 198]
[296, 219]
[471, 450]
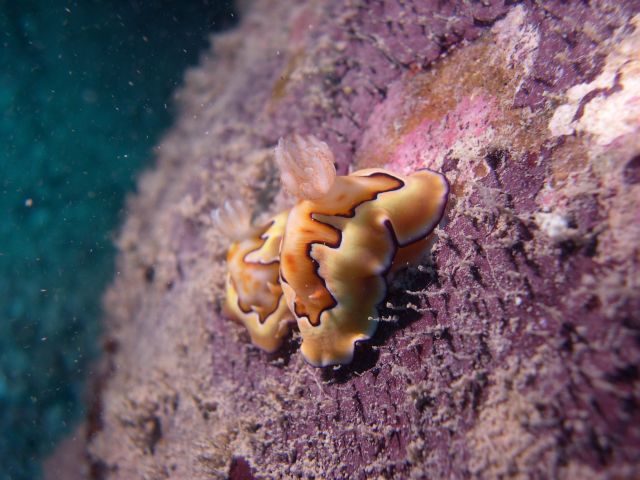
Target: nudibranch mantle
[342, 239]
[254, 295]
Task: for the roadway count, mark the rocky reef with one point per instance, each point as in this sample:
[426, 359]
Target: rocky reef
[512, 351]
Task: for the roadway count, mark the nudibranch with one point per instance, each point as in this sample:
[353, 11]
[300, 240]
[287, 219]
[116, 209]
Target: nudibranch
[254, 295]
[341, 240]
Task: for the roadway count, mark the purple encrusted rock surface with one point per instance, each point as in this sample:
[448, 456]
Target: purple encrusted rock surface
[512, 352]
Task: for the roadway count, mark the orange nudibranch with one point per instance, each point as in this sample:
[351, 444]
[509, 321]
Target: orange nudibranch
[342, 238]
[254, 295]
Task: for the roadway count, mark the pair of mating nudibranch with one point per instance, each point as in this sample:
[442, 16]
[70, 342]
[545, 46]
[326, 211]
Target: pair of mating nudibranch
[325, 262]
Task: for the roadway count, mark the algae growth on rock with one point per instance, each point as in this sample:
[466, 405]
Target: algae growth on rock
[512, 352]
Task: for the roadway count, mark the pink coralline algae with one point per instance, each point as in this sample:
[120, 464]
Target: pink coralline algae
[428, 143]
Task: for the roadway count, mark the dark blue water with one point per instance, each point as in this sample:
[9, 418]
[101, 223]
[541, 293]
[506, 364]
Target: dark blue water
[84, 95]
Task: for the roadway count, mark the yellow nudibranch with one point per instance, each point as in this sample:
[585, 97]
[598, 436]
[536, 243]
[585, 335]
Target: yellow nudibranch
[342, 238]
[326, 261]
[254, 294]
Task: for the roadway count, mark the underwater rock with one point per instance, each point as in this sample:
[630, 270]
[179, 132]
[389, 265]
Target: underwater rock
[512, 351]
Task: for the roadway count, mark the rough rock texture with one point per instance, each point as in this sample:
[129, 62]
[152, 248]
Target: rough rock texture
[512, 352]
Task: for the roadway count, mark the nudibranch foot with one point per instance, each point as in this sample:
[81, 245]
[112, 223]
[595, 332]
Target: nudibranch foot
[254, 295]
[341, 242]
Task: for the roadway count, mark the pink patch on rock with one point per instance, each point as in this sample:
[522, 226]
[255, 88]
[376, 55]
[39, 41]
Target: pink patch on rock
[428, 143]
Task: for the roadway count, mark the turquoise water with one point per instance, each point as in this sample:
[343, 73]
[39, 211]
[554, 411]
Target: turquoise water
[84, 89]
